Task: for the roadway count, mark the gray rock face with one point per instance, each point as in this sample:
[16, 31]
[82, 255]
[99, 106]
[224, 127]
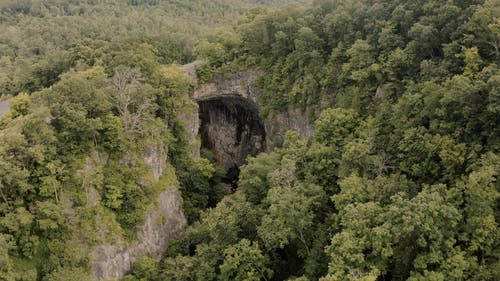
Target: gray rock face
[156, 158]
[230, 123]
[232, 130]
[191, 120]
[239, 85]
[164, 222]
[241, 88]
[4, 107]
[295, 119]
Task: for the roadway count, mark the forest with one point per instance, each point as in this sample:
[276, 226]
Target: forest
[399, 180]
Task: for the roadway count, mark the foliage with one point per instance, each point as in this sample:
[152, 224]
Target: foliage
[406, 134]
[398, 182]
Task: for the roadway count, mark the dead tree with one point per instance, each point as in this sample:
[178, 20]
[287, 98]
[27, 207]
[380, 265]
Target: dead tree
[131, 106]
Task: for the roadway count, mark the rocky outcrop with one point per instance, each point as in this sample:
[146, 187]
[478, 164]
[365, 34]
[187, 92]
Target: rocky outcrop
[164, 222]
[4, 107]
[294, 119]
[238, 85]
[190, 119]
[241, 88]
[156, 158]
[231, 128]
[230, 123]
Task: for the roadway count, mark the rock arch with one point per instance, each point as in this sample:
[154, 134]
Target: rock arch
[230, 124]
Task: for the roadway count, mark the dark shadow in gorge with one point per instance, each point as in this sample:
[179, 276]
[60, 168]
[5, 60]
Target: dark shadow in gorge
[232, 129]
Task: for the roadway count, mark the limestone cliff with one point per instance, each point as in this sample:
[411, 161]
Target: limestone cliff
[294, 119]
[228, 99]
[4, 107]
[164, 221]
[239, 84]
[222, 116]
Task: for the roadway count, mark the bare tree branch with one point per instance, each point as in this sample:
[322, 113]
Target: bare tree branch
[132, 111]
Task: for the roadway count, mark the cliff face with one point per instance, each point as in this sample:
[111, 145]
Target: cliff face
[230, 125]
[4, 107]
[222, 116]
[164, 221]
[231, 128]
[294, 119]
[227, 99]
[239, 85]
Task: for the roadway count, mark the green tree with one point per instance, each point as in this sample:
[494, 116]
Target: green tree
[64, 274]
[6, 263]
[410, 238]
[145, 269]
[481, 233]
[335, 126]
[291, 215]
[180, 268]
[245, 262]
[254, 176]
[20, 105]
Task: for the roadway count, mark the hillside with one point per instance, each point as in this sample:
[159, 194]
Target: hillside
[42, 39]
[250, 140]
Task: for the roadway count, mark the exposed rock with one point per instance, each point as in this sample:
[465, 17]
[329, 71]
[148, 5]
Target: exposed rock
[93, 164]
[4, 107]
[381, 91]
[231, 128]
[294, 119]
[230, 123]
[93, 197]
[164, 222]
[156, 157]
[188, 115]
[190, 69]
[190, 118]
[241, 87]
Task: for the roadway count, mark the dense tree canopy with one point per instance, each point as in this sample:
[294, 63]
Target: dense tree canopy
[404, 94]
[398, 182]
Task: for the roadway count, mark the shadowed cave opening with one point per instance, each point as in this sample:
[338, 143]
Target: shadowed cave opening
[232, 130]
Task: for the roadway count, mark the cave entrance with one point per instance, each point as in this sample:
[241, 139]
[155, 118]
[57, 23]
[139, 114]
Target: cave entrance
[232, 130]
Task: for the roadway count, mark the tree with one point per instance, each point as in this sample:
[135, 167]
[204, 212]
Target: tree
[245, 262]
[6, 264]
[180, 268]
[481, 233]
[409, 238]
[64, 274]
[145, 269]
[484, 28]
[133, 105]
[233, 218]
[291, 215]
[335, 126]
[76, 104]
[254, 176]
[20, 105]
[19, 224]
